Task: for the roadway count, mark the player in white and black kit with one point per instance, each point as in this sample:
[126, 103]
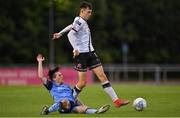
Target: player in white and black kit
[84, 54]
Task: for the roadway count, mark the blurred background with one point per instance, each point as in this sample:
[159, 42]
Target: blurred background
[136, 40]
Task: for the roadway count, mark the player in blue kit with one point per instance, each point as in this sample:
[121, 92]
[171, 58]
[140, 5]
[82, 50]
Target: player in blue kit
[62, 94]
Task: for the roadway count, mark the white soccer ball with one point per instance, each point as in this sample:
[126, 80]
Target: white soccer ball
[139, 104]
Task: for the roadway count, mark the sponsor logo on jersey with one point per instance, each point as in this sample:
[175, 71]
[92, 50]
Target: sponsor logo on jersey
[77, 22]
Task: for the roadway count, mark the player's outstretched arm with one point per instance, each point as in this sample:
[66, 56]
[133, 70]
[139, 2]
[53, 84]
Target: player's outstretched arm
[59, 34]
[40, 60]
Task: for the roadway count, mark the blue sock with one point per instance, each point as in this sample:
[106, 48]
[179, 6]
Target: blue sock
[54, 107]
[90, 111]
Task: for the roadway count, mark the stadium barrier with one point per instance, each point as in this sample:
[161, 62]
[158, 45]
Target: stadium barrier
[143, 72]
[28, 76]
[115, 72]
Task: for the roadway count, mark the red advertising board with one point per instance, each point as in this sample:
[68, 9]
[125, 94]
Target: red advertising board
[28, 76]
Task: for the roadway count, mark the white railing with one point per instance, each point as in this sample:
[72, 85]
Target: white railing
[159, 72]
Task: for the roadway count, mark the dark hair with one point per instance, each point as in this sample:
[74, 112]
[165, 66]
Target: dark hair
[85, 4]
[52, 72]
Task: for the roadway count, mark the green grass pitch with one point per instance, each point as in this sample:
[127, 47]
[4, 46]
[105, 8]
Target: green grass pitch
[27, 101]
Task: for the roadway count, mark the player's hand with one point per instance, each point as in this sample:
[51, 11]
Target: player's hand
[75, 53]
[40, 58]
[56, 36]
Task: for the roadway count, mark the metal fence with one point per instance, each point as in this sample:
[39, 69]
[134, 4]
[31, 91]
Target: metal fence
[142, 72]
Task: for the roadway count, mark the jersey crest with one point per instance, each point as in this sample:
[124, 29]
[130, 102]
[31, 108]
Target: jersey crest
[77, 22]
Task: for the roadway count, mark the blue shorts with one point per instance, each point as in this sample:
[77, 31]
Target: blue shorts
[72, 107]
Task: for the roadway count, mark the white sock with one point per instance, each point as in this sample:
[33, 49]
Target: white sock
[76, 91]
[90, 111]
[54, 107]
[109, 90]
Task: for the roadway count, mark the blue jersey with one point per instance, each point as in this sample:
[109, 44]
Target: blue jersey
[59, 92]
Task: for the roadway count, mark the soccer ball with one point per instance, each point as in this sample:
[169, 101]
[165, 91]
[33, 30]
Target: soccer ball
[139, 104]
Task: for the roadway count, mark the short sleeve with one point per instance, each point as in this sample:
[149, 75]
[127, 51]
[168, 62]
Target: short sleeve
[77, 24]
[48, 85]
